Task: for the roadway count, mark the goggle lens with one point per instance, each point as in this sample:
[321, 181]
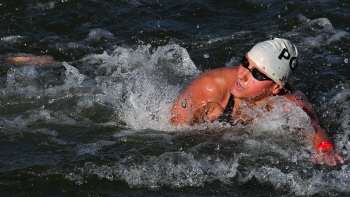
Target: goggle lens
[255, 72]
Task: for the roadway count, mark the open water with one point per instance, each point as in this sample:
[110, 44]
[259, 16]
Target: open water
[95, 121]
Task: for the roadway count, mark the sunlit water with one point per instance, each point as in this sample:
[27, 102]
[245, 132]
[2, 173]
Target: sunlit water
[95, 121]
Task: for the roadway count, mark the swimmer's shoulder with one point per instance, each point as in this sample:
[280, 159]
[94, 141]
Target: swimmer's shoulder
[294, 94]
[214, 83]
[226, 73]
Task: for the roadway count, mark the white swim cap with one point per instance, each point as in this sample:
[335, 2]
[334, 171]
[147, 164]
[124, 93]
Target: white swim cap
[276, 57]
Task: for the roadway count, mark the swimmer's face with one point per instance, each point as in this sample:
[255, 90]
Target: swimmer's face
[246, 86]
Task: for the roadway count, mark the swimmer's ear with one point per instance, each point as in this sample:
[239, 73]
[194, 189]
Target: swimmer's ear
[276, 88]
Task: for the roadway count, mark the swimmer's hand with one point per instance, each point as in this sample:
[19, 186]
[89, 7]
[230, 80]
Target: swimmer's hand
[329, 157]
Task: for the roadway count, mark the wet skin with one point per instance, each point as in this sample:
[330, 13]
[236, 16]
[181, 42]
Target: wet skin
[207, 97]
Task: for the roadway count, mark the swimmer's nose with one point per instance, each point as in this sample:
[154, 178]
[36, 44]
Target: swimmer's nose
[243, 73]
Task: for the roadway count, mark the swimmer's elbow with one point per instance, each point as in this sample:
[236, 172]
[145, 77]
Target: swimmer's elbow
[176, 120]
[181, 117]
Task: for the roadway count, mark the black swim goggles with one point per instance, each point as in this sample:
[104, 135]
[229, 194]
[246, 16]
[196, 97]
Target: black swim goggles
[255, 72]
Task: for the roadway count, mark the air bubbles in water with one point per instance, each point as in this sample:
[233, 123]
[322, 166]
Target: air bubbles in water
[346, 60]
[206, 55]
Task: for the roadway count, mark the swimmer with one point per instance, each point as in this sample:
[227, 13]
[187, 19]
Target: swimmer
[28, 59]
[263, 73]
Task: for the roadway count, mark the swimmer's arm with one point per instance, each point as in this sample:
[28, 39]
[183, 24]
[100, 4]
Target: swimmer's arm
[185, 110]
[330, 156]
[28, 59]
[199, 102]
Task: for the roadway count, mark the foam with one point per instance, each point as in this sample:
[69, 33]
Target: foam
[92, 148]
[96, 35]
[13, 39]
[73, 76]
[123, 83]
[339, 106]
[45, 6]
[135, 88]
[139, 95]
[316, 32]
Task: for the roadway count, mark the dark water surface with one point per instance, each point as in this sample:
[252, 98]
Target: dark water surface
[95, 121]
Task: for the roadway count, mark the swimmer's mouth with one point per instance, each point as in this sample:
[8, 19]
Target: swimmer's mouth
[238, 85]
